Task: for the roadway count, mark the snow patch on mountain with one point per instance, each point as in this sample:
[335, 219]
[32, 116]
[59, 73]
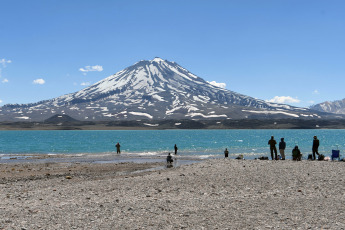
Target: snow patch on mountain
[272, 112]
[206, 116]
[141, 114]
[151, 125]
[220, 85]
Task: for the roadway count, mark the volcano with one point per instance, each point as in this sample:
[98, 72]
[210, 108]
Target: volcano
[154, 89]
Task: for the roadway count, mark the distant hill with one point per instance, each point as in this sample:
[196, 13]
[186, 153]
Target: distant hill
[337, 107]
[156, 90]
[60, 118]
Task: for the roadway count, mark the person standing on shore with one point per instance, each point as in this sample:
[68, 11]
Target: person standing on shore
[226, 153]
[273, 147]
[315, 149]
[282, 146]
[118, 151]
[175, 148]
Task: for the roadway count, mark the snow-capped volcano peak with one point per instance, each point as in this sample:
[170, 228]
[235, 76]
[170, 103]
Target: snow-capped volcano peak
[144, 77]
[155, 89]
[157, 59]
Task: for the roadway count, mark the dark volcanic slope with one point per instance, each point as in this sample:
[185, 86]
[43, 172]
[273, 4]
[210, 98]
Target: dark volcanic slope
[156, 89]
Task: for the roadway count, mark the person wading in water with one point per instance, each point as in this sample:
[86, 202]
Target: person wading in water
[118, 151]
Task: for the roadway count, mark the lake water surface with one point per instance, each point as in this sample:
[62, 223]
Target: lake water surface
[196, 143]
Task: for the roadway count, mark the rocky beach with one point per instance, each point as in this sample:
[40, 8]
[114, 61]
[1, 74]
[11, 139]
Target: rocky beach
[213, 194]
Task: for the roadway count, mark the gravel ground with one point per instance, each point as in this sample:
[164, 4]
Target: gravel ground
[214, 194]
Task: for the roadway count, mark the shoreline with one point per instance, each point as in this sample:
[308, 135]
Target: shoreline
[105, 158]
[96, 158]
[143, 124]
[26, 166]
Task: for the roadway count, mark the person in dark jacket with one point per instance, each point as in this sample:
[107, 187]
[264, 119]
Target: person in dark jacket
[273, 147]
[118, 151]
[296, 154]
[226, 153]
[175, 148]
[315, 149]
[282, 146]
[169, 159]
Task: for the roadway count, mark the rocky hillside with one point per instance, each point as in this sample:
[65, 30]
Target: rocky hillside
[337, 107]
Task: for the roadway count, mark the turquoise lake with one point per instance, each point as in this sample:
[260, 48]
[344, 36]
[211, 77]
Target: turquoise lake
[196, 143]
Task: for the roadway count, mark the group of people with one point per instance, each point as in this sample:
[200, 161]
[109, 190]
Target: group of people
[169, 157]
[118, 150]
[296, 153]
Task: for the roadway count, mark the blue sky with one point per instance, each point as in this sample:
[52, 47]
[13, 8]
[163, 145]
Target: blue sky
[280, 50]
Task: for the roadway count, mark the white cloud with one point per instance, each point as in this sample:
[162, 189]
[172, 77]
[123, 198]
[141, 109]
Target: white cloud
[221, 85]
[39, 81]
[316, 92]
[85, 83]
[0, 101]
[91, 68]
[4, 62]
[311, 102]
[5, 80]
[284, 100]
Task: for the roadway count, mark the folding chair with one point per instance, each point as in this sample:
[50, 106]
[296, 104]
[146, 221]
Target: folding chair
[335, 154]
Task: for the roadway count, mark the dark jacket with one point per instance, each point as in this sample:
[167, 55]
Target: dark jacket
[316, 143]
[272, 143]
[296, 154]
[169, 159]
[282, 145]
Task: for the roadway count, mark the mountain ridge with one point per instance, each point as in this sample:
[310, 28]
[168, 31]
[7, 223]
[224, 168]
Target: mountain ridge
[337, 106]
[154, 89]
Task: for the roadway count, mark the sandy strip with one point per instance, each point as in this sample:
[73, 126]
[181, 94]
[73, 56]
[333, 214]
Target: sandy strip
[214, 194]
